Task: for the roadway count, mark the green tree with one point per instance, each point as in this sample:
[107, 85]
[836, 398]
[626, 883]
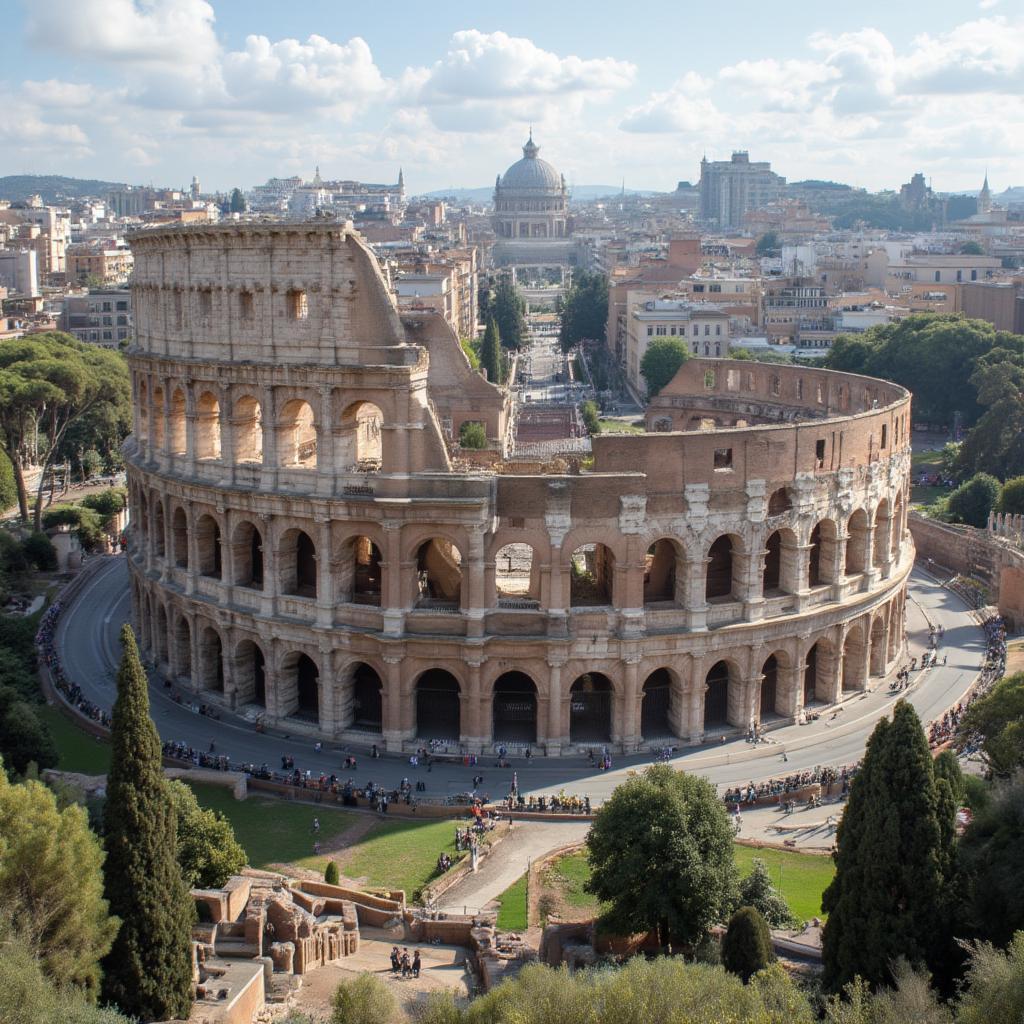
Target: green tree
[971, 248]
[757, 891]
[768, 244]
[948, 767]
[1011, 497]
[471, 347]
[208, 852]
[661, 362]
[48, 382]
[508, 310]
[39, 551]
[8, 488]
[24, 737]
[995, 985]
[51, 884]
[492, 359]
[972, 501]
[148, 973]
[331, 875]
[911, 998]
[661, 855]
[894, 892]
[237, 204]
[363, 1000]
[997, 721]
[584, 309]
[747, 944]
[995, 444]
[591, 416]
[472, 435]
[86, 522]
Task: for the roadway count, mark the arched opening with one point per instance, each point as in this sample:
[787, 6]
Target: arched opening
[247, 556]
[366, 571]
[361, 444]
[158, 529]
[896, 533]
[881, 534]
[179, 538]
[142, 415]
[297, 564]
[590, 709]
[655, 706]
[178, 433]
[211, 660]
[660, 572]
[208, 549]
[160, 634]
[438, 708]
[716, 696]
[306, 677]
[779, 502]
[719, 579]
[591, 576]
[439, 574]
[769, 687]
[367, 699]
[159, 413]
[857, 543]
[811, 674]
[247, 426]
[516, 576]
[894, 632]
[878, 645]
[183, 648]
[514, 708]
[823, 555]
[296, 434]
[814, 558]
[854, 668]
[251, 673]
[771, 578]
[207, 427]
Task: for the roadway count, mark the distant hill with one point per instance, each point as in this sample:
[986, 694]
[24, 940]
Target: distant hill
[581, 193]
[52, 187]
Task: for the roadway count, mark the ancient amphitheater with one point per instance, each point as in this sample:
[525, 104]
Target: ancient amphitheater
[308, 543]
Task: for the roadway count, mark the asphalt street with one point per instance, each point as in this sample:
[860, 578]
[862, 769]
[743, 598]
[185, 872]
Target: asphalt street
[87, 637]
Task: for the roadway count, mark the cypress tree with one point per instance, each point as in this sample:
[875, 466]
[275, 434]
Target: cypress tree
[491, 356]
[893, 892]
[148, 972]
[747, 943]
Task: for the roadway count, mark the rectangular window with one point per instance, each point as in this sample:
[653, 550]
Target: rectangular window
[672, 329]
[696, 330]
[108, 335]
[122, 306]
[885, 434]
[707, 330]
[205, 302]
[938, 276]
[959, 276]
[298, 306]
[650, 331]
[800, 388]
[974, 275]
[516, 522]
[776, 386]
[819, 453]
[718, 330]
[723, 458]
[246, 306]
[661, 332]
[698, 288]
[709, 379]
[106, 307]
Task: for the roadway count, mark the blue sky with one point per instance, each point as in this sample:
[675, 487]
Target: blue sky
[159, 90]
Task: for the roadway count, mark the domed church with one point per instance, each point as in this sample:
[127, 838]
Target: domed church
[531, 199]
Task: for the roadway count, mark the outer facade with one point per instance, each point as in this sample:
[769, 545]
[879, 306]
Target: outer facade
[305, 549]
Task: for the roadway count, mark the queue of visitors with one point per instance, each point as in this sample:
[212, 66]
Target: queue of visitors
[48, 654]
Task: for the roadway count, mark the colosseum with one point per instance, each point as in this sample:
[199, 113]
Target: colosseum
[310, 545]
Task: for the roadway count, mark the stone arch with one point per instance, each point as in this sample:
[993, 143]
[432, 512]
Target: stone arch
[247, 555]
[779, 502]
[879, 642]
[211, 659]
[362, 576]
[297, 434]
[367, 698]
[439, 573]
[771, 693]
[514, 708]
[780, 563]
[208, 546]
[160, 637]
[854, 668]
[250, 673]
[297, 564]
[896, 533]
[656, 705]
[591, 576]
[881, 549]
[894, 631]
[183, 647]
[179, 538]
[301, 676]
[142, 417]
[821, 555]
[815, 671]
[663, 578]
[361, 438]
[517, 573]
[247, 427]
[859, 530]
[179, 433]
[159, 413]
[722, 568]
[207, 428]
[159, 538]
[718, 683]
[438, 705]
[590, 708]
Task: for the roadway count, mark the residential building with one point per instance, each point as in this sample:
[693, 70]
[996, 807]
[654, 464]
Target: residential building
[1001, 303]
[102, 317]
[19, 271]
[729, 189]
[788, 300]
[110, 264]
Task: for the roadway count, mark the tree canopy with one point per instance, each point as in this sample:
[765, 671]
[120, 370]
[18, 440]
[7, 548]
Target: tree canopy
[661, 855]
[972, 501]
[584, 309]
[492, 359]
[995, 445]
[997, 721]
[757, 891]
[508, 309]
[208, 852]
[1011, 496]
[661, 362]
[747, 944]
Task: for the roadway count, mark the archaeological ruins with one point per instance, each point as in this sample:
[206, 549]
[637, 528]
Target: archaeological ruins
[310, 545]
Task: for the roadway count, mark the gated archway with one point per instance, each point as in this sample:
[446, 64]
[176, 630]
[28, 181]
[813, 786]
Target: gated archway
[514, 708]
[437, 705]
[367, 699]
[590, 709]
[716, 696]
[769, 686]
[655, 722]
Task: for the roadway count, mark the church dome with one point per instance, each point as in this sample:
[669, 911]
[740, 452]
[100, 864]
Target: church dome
[531, 172]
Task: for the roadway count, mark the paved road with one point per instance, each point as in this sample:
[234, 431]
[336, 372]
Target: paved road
[87, 638]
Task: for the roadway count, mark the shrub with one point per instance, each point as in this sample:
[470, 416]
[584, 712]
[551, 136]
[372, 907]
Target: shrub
[757, 891]
[331, 873]
[591, 417]
[972, 501]
[40, 552]
[472, 435]
[364, 1000]
[1011, 497]
[747, 944]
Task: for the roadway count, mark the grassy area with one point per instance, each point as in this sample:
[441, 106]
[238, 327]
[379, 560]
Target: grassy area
[801, 877]
[79, 752]
[512, 912]
[274, 831]
[400, 854]
[923, 495]
[926, 458]
[620, 427]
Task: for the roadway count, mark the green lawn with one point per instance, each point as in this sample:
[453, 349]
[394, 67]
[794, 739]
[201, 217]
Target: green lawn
[512, 912]
[401, 854]
[926, 459]
[275, 831]
[801, 877]
[79, 752]
[620, 427]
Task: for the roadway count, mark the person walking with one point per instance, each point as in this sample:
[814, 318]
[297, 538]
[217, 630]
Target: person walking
[416, 963]
[405, 962]
[394, 960]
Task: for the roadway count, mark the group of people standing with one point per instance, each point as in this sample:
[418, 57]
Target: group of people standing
[402, 964]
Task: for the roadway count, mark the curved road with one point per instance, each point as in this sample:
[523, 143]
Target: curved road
[87, 638]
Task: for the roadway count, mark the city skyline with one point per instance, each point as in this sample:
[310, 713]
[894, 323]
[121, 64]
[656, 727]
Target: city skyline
[234, 93]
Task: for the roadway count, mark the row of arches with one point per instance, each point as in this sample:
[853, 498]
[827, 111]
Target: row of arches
[163, 415]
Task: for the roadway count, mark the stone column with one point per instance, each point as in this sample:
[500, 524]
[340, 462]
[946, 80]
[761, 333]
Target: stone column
[802, 553]
[271, 458]
[324, 576]
[326, 699]
[871, 574]
[837, 569]
[476, 733]
[187, 463]
[752, 582]
[474, 605]
[325, 467]
[555, 738]
[392, 599]
[696, 584]
[830, 671]
[698, 688]
[392, 703]
[629, 731]
[885, 562]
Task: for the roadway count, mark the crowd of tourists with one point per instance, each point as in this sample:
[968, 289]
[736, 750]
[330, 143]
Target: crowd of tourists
[71, 692]
[828, 777]
[561, 803]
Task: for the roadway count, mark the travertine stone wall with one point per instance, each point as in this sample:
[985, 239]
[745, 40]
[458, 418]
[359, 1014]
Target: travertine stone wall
[303, 549]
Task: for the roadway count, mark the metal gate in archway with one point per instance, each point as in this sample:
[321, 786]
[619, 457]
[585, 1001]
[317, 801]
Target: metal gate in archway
[769, 687]
[654, 707]
[590, 710]
[716, 697]
[437, 706]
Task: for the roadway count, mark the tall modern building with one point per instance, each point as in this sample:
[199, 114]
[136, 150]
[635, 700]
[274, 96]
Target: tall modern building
[731, 188]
